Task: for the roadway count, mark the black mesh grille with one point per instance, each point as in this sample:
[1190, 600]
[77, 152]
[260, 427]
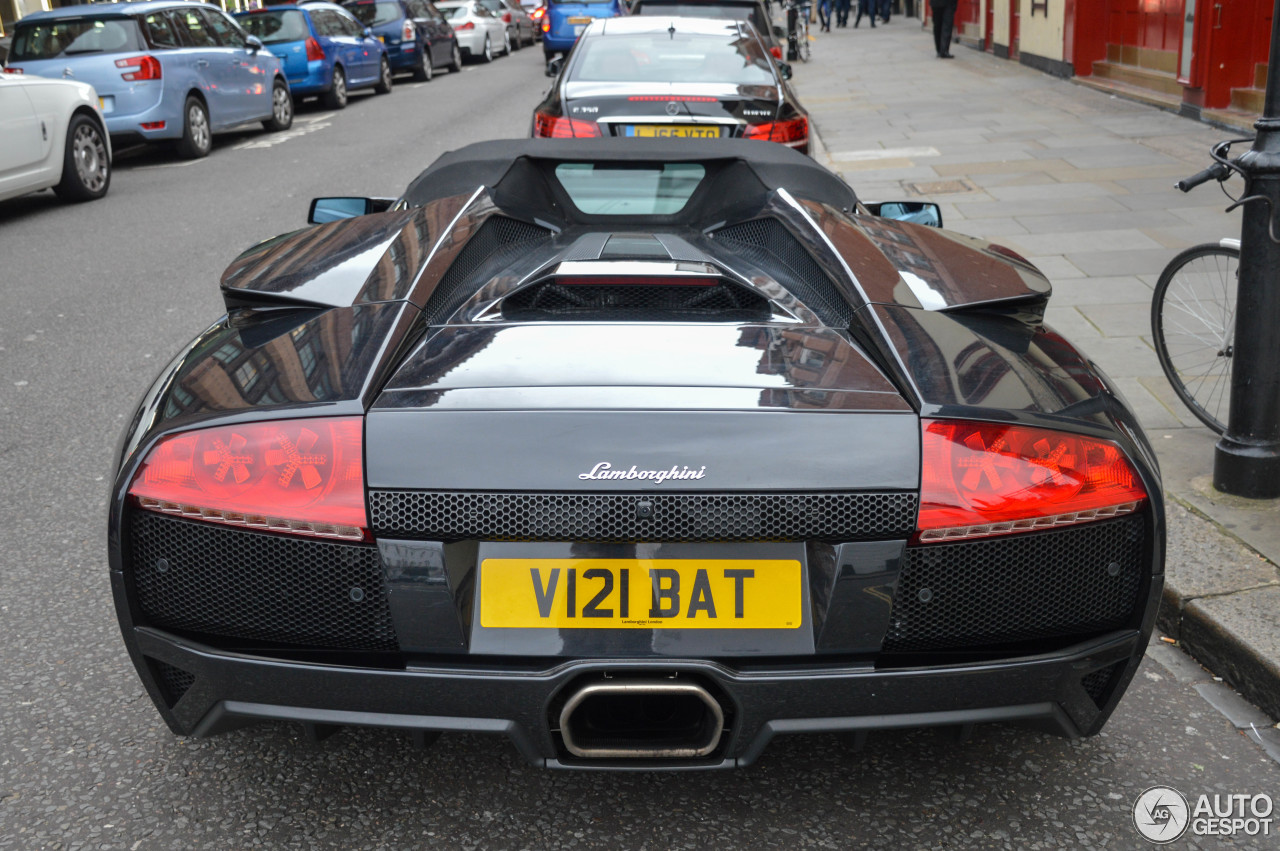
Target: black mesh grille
[174, 682]
[498, 241]
[1098, 684]
[1017, 588]
[722, 301]
[449, 516]
[768, 244]
[211, 579]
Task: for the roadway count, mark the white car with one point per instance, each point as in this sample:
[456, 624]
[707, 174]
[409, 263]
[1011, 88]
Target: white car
[54, 137]
[480, 33]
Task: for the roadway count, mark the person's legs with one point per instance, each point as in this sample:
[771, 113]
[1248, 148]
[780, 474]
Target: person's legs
[948, 24]
[937, 30]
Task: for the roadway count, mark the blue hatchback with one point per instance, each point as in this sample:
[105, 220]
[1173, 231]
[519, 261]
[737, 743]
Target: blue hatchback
[162, 70]
[565, 20]
[325, 50]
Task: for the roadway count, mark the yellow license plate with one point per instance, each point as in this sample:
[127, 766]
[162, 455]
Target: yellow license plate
[671, 130]
[580, 20]
[605, 593]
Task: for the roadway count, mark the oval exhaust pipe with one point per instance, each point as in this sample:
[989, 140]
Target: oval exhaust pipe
[641, 719]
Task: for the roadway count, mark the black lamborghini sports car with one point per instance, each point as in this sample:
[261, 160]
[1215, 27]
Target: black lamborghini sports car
[640, 453]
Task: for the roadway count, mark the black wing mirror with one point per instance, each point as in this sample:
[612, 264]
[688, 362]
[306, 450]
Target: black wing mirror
[334, 209]
[917, 212]
[554, 66]
[784, 70]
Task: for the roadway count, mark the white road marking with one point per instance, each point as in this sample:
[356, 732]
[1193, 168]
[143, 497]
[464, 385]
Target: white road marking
[179, 164]
[272, 139]
[883, 154]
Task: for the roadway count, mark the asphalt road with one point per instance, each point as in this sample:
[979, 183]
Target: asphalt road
[95, 298]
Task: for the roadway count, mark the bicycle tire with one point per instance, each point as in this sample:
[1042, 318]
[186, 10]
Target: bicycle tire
[1193, 312]
[803, 40]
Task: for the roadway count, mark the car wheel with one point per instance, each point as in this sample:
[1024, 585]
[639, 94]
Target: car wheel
[514, 43]
[384, 78]
[86, 171]
[455, 59]
[197, 136]
[336, 97]
[506, 42]
[281, 108]
[424, 72]
[486, 55]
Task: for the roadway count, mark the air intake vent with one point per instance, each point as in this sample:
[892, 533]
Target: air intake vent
[714, 300]
[1098, 684]
[499, 241]
[768, 244]
[173, 681]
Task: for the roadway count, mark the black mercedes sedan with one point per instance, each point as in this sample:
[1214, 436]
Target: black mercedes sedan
[638, 453]
[667, 77]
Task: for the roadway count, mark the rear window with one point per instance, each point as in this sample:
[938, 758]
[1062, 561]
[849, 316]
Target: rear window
[579, 2]
[74, 37]
[742, 12]
[664, 58]
[371, 14]
[453, 12]
[613, 190]
[276, 27]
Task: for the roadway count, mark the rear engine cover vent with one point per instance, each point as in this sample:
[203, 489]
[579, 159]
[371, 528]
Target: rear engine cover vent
[498, 241]
[768, 244]
[633, 300]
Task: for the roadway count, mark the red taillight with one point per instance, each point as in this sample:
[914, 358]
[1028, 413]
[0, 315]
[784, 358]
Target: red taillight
[145, 68]
[558, 127]
[680, 98]
[792, 132]
[315, 52]
[152, 125]
[409, 33]
[776, 52]
[506, 17]
[469, 25]
[303, 477]
[537, 13]
[546, 25]
[979, 479]
[13, 70]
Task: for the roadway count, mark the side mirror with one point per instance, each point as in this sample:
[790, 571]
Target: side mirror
[253, 43]
[554, 66]
[784, 70]
[334, 209]
[368, 33]
[916, 212]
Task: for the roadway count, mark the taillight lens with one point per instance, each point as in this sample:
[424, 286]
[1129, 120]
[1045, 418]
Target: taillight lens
[980, 479]
[408, 34]
[546, 25]
[538, 13]
[776, 52]
[12, 70]
[141, 68]
[302, 477]
[558, 127]
[506, 17]
[794, 131]
[468, 25]
[315, 52]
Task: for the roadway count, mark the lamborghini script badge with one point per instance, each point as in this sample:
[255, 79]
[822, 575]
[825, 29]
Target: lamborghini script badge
[605, 470]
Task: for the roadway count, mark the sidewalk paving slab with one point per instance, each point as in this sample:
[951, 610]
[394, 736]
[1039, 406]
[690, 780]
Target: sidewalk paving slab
[1081, 182]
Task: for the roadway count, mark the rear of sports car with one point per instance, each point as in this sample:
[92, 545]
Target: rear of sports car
[641, 491]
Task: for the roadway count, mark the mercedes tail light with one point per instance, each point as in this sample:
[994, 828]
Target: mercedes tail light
[980, 479]
[301, 477]
[549, 126]
[315, 53]
[140, 68]
[408, 33]
[792, 132]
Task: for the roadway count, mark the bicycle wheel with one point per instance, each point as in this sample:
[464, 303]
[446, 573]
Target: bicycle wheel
[1193, 321]
[803, 40]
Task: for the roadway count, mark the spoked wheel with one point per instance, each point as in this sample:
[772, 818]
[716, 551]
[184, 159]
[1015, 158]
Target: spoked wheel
[1193, 320]
[86, 169]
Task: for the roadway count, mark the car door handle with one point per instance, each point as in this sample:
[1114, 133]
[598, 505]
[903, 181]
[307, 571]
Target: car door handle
[202, 63]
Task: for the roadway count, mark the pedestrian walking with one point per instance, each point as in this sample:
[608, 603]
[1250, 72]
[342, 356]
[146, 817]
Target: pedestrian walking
[868, 8]
[825, 9]
[842, 13]
[884, 10]
[944, 19]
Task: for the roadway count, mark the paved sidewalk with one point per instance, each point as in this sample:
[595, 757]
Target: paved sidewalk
[1081, 182]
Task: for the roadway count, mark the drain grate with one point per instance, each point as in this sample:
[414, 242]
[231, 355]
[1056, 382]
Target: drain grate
[942, 187]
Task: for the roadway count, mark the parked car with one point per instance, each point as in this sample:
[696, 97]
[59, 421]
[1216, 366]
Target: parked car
[638, 454]
[659, 76]
[163, 70]
[479, 32]
[417, 36]
[755, 11]
[519, 22]
[565, 20]
[54, 138]
[325, 51]
[536, 9]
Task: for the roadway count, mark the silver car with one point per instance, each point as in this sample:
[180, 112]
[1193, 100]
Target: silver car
[480, 32]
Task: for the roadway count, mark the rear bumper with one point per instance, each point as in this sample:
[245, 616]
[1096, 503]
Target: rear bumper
[216, 690]
[317, 79]
[405, 55]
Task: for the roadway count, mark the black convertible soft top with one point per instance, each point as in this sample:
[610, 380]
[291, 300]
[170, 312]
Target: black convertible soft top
[504, 167]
